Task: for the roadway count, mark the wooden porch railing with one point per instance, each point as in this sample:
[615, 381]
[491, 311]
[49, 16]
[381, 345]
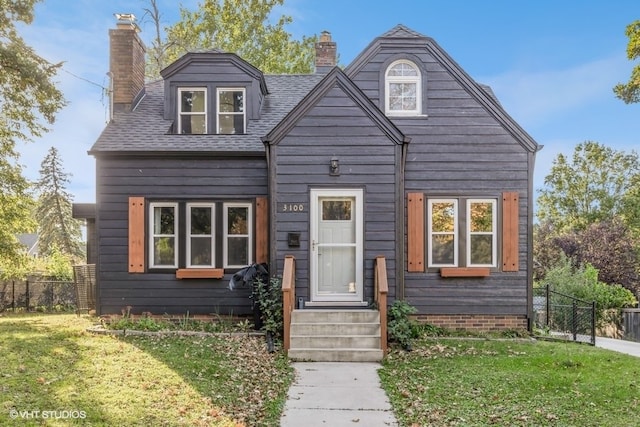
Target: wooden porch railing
[381, 291]
[288, 296]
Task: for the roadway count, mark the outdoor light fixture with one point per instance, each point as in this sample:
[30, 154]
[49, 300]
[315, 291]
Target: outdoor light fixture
[334, 166]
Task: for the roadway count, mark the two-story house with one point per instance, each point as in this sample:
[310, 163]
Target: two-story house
[401, 154]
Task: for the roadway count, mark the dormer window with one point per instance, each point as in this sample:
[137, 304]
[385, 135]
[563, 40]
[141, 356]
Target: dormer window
[192, 111]
[403, 90]
[231, 111]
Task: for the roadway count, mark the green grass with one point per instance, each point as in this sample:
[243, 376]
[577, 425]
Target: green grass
[50, 363]
[461, 382]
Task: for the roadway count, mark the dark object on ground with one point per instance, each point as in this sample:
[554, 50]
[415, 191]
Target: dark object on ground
[250, 275]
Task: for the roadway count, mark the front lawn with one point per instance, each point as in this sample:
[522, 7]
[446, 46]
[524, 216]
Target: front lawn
[50, 363]
[449, 382]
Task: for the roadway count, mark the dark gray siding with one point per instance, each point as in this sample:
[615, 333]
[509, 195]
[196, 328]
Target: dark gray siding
[170, 179]
[336, 126]
[458, 149]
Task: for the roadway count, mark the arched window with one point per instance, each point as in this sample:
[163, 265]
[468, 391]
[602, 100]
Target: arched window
[403, 89]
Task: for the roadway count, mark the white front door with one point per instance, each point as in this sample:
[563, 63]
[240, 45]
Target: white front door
[336, 245]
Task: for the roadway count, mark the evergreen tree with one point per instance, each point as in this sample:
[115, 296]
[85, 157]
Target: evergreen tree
[56, 226]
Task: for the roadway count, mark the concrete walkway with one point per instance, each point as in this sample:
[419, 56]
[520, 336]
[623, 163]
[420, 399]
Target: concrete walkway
[337, 394]
[622, 346]
[340, 394]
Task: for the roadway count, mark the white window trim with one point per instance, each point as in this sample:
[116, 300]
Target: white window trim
[152, 235]
[243, 112]
[212, 236]
[226, 235]
[403, 79]
[431, 233]
[494, 234]
[192, 113]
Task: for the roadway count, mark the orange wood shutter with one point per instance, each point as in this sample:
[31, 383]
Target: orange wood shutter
[262, 229]
[415, 232]
[510, 235]
[136, 234]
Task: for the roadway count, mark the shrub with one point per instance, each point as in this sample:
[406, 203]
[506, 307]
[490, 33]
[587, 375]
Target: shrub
[268, 297]
[582, 282]
[400, 327]
[610, 247]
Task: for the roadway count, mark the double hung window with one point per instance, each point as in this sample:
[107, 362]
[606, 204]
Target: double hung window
[192, 110]
[229, 115]
[237, 234]
[462, 232]
[211, 235]
[200, 235]
[163, 235]
[231, 111]
[481, 233]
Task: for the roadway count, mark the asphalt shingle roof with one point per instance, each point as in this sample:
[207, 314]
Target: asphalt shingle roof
[145, 130]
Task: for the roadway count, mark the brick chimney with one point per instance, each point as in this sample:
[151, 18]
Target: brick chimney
[126, 63]
[325, 53]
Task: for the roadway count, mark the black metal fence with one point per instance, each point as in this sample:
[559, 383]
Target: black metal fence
[564, 317]
[37, 295]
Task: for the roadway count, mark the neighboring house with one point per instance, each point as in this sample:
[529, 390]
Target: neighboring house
[402, 154]
[29, 241]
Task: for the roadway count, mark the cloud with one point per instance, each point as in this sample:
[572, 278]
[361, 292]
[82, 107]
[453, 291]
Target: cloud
[535, 97]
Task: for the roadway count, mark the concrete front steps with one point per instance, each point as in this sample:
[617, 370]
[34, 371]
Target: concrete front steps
[341, 335]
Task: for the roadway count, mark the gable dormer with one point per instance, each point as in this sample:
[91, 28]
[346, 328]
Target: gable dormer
[212, 93]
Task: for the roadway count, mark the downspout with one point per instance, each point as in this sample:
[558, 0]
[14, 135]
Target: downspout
[273, 261]
[400, 267]
[530, 219]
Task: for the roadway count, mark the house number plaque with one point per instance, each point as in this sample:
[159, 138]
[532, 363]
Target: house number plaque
[292, 207]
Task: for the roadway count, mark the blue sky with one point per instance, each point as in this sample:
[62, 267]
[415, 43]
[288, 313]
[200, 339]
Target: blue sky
[552, 64]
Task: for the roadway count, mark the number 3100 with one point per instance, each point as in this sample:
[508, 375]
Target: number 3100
[292, 207]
